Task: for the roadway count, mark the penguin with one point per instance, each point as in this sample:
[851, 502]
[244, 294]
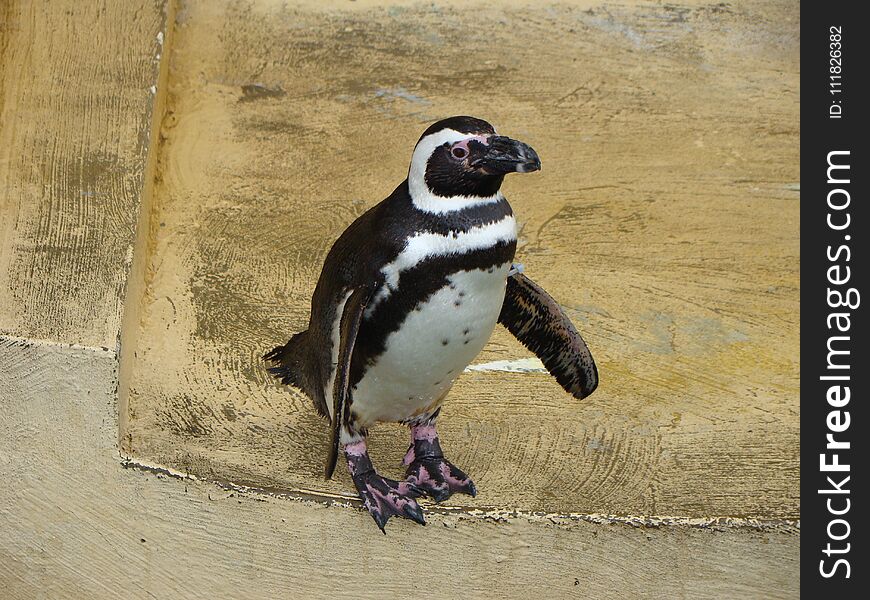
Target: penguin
[408, 295]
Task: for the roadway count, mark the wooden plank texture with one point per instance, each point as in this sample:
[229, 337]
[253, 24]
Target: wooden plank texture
[76, 103]
[665, 220]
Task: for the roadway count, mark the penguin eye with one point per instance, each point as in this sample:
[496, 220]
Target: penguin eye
[459, 152]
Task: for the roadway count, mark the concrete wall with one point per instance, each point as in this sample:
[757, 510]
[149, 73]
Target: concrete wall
[163, 216]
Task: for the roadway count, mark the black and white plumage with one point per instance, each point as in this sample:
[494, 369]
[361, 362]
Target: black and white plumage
[409, 295]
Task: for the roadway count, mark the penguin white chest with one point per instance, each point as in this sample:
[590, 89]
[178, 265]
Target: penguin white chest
[435, 342]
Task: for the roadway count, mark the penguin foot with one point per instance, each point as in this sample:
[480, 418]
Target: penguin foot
[382, 497]
[439, 478]
[428, 470]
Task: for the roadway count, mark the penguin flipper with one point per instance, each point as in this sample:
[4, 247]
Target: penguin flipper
[540, 324]
[351, 317]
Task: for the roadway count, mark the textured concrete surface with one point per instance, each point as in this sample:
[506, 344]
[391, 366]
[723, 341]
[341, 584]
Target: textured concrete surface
[76, 525]
[665, 220]
[75, 114]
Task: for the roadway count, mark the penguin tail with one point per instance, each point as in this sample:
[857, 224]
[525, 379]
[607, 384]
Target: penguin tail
[289, 364]
[285, 360]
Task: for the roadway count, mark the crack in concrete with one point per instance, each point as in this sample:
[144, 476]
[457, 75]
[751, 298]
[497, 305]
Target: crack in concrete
[501, 515]
[11, 340]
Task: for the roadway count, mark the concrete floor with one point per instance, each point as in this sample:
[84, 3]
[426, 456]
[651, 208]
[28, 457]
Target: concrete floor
[176, 188]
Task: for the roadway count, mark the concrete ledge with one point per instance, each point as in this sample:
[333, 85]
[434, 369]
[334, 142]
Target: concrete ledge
[76, 524]
[664, 220]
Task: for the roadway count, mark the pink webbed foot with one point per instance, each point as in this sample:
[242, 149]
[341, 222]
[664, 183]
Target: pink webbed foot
[382, 497]
[429, 471]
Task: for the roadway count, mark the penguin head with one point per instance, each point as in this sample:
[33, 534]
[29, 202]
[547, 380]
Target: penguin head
[461, 161]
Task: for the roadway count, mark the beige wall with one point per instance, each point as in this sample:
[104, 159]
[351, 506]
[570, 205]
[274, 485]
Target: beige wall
[665, 220]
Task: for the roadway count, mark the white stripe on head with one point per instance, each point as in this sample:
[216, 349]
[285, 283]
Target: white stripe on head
[421, 195]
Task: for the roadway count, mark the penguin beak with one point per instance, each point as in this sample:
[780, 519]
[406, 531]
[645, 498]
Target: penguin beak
[504, 155]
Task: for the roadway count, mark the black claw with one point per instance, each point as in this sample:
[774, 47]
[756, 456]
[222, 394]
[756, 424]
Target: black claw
[440, 495]
[380, 521]
[472, 489]
[415, 514]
